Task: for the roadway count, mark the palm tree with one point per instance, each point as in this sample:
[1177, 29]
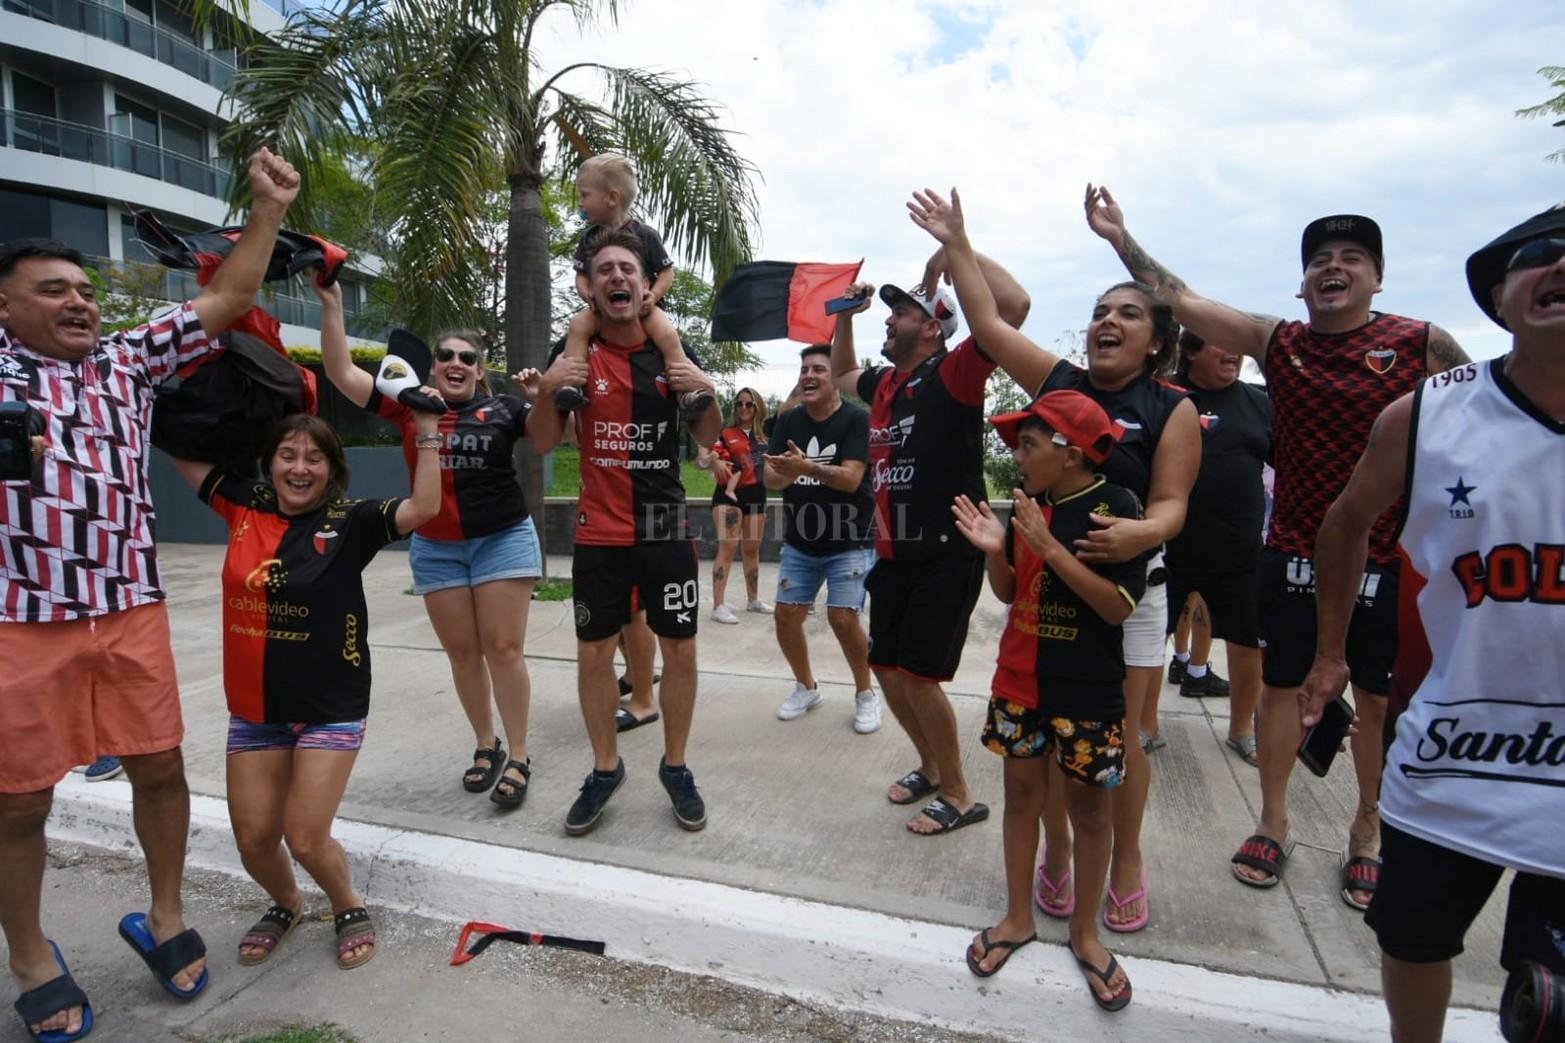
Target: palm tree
[447, 101]
[1555, 106]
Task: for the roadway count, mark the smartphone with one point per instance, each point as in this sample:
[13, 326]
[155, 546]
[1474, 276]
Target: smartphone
[841, 304]
[16, 444]
[1319, 745]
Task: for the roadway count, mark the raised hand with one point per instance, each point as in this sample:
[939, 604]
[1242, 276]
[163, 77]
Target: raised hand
[941, 219]
[1028, 518]
[1104, 216]
[272, 178]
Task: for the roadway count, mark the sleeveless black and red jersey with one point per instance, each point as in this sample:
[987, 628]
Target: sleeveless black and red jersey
[926, 447]
[631, 490]
[743, 452]
[1056, 652]
[295, 626]
[479, 493]
[1227, 511]
[1326, 391]
[1142, 407]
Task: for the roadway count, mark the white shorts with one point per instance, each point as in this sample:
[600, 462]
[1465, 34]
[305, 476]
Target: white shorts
[1146, 631]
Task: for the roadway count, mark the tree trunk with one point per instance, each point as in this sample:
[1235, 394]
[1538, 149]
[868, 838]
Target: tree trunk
[527, 317]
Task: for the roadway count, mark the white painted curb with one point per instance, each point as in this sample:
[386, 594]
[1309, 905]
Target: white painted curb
[822, 954]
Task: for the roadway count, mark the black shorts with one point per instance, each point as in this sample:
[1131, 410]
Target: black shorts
[608, 581]
[1232, 603]
[1287, 621]
[918, 612]
[752, 498]
[1428, 896]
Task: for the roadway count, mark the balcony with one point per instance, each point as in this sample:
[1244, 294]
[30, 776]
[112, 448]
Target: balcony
[214, 68]
[52, 137]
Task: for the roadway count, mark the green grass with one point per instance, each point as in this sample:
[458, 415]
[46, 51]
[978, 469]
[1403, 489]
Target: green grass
[301, 1034]
[552, 590]
[567, 476]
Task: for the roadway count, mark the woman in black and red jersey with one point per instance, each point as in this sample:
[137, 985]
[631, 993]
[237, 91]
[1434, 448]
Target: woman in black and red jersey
[296, 662]
[739, 504]
[476, 563]
[1130, 339]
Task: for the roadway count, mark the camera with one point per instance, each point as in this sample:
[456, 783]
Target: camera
[1531, 1005]
[18, 424]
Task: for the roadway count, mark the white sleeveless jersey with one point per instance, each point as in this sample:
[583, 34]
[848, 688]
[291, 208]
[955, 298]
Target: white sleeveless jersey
[1478, 763]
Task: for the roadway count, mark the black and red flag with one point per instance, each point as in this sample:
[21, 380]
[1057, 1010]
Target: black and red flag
[773, 300]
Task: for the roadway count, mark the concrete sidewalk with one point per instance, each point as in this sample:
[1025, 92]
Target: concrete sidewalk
[806, 882]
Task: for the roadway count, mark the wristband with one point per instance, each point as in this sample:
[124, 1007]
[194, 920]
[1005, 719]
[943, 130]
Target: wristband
[427, 442]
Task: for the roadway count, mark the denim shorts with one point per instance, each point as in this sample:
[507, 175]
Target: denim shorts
[252, 737]
[800, 575]
[445, 564]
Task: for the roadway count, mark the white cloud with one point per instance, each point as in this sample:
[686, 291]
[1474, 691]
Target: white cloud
[1223, 126]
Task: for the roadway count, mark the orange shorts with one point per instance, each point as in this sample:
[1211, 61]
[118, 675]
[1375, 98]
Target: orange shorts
[75, 691]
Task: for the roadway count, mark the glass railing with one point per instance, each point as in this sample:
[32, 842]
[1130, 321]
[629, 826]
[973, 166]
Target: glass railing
[176, 284]
[52, 137]
[85, 16]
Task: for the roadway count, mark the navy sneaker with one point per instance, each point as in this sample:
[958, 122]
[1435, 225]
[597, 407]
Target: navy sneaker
[1176, 670]
[570, 399]
[689, 808]
[1209, 685]
[595, 793]
[103, 768]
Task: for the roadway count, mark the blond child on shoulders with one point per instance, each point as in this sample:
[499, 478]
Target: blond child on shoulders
[607, 184]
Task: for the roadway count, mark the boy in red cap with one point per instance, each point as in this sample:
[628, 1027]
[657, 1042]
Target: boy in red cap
[1058, 685]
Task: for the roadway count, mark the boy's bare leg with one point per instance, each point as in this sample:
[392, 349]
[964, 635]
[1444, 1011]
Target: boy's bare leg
[1025, 784]
[665, 337]
[1089, 809]
[578, 338]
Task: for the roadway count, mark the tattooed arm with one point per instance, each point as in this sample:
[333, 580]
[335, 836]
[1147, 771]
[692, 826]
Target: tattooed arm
[1443, 352]
[1212, 321]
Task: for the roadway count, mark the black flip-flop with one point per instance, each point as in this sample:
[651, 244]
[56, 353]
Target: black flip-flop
[917, 785]
[625, 721]
[975, 962]
[52, 997]
[168, 959]
[1119, 1002]
[945, 815]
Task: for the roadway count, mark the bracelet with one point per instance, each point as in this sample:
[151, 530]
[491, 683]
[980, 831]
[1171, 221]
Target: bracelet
[427, 442]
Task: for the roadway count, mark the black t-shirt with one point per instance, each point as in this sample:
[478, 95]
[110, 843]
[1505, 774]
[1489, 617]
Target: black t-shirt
[295, 627]
[1222, 532]
[654, 257]
[1056, 652]
[817, 519]
[1143, 406]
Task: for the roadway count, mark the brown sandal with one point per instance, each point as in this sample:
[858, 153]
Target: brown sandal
[267, 934]
[355, 928]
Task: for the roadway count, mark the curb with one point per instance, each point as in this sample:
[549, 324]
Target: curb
[810, 951]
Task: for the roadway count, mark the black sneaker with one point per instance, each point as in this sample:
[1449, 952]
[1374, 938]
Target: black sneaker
[689, 808]
[570, 399]
[1209, 685]
[595, 793]
[1176, 670]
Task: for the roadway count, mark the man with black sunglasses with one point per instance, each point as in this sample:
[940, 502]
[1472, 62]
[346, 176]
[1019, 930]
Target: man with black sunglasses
[1328, 379]
[1476, 771]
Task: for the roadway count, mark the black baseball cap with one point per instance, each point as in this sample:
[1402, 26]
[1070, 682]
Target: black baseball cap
[1355, 228]
[1486, 268]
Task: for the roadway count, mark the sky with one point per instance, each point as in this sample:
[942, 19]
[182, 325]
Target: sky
[1221, 126]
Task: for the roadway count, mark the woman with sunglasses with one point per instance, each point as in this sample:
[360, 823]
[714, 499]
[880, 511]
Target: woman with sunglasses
[739, 504]
[476, 563]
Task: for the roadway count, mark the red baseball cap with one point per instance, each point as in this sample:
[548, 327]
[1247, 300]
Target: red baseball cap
[1070, 414]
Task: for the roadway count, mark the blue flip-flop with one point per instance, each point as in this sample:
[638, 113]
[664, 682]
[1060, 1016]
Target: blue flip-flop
[168, 959]
[49, 999]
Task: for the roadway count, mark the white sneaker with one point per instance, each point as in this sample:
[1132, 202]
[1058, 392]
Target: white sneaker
[801, 702]
[757, 605]
[724, 614]
[866, 712]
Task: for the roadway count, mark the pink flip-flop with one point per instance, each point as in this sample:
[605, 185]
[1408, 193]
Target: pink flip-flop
[1114, 900]
[1050, 890]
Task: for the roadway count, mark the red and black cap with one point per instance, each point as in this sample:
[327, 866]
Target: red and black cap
[1072, 415]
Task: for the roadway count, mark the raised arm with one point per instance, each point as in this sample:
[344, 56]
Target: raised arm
[194, 472]
[273, 183]
[1342, 546]
[1212, 321]
[1443, 352]
[424, 503]
[1026, 362]
[1010, 299]
[355, 384]
[845, 368]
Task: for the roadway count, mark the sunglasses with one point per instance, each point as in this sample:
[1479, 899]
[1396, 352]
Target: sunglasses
[745, 405]
[1540, 253]
[467, 355]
